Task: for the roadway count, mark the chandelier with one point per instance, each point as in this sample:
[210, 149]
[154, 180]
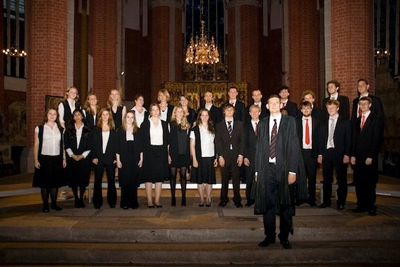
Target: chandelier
[14, 52]
[200, 50]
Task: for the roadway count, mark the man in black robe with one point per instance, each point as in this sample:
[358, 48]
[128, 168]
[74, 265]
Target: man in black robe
[276, 170]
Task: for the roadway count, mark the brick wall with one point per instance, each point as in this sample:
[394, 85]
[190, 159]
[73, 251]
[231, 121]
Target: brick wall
[47, 60]
[303, 48]
[352, 44]
[103, 47]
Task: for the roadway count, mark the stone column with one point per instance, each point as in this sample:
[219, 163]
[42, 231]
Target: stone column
[243, 41]
[46, 62]
[103, 47]
[352, 44]
[166, 43]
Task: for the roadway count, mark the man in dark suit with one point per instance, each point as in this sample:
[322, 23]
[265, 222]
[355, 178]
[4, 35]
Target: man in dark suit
[257, 96]
[307, 132]
[364, 157]
[250, 150]
[316, 112]
[376, 108]
[291, 107]
[334, 146]
[229, 142]
[333, 90]
[239, 106]
[215, 112]
[276, 166]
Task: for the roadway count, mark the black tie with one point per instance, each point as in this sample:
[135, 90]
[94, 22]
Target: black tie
[273, 141]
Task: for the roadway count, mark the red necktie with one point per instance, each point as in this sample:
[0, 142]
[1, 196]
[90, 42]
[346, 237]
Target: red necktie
[362, 122]
[307, 133]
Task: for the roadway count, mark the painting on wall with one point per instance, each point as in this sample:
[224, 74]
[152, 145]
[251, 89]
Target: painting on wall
[52, 101]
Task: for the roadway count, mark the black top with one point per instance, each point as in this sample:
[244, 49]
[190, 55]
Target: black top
[117, 116]
[68, 111]
[97, 146]
[179, 144]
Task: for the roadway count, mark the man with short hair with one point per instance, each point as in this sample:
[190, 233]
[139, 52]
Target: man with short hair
[276, 167]
[333, 90]
[256, 95]
[239, 106]
[215, 112]
[229, 143]
[334, 153]
[364, 157]
[291, 107]
[316, 112]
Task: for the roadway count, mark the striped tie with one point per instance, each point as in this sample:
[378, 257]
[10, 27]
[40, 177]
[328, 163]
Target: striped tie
[230, 128]
[273, 140]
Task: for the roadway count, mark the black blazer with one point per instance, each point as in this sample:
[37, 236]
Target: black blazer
[376, 108]
[291, 108]
[169, 112]
[215, 114]
[344, 109]
[97, 146]
[314, 141]
[174, 145]
[316, 113]
[341, 137]
[251, 141]
[223, 140]
[366, 142]
[240, 111]
[264, 112]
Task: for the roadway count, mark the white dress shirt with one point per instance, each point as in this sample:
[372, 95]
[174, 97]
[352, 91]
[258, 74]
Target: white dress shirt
[271, 124]
[207, 142]
[156, 133]
[335, 119]
[51, 140]
[78, 141]
[309, 118]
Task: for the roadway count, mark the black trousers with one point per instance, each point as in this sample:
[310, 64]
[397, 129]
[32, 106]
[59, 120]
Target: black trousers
[129, 196]
[97, 189]
[311, 171]
[250, 170]
[231, 169]
[331, 160]
[269, 218]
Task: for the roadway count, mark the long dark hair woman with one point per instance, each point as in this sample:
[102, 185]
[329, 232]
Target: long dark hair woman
[103, 153]
[179, 152]
[49, 159]
[78, 145]
[129, 161]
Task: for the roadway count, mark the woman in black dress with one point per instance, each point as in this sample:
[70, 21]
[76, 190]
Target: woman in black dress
[114, 103]
[68, 105]
[77, 145]
[165, 108]
[154, 135]
[49, 159]
[202, 149]
[189, 113]
[91, 110]
[129, 161]
[104, 145]
[179, 152]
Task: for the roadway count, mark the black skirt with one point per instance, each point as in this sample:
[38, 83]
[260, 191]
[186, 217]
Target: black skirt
[205, 173]
[51, 173]
[159, 165]
[78, 172]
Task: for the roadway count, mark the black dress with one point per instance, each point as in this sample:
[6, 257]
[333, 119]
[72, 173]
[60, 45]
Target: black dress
[129, 152]
[50, 174]
[191, 116]
[78, 171]
[155, 158]
[179, 148]
[117, 116]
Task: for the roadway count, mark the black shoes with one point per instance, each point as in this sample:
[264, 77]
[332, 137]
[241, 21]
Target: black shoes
[358, 210]
[183, 203]
[46, 209]
[222, 204]
[56, 208]
[312, 204]
[286, 244]
[323, 206]
[249, 203]
[238, 205]
[173, 202]
[158, 206]
[266, 242]
[340, 207]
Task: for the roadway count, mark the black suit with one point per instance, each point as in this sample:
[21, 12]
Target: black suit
[333, 158]
[264, 112]
[215, 114]
[250, 154]
[291, 108]
[106, 160]
[230, 148]
[344, 109]
[309, 155]
[240, 110]
[366, 144]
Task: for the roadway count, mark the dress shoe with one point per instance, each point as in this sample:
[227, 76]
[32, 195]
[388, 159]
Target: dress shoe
[372, 212]
[312, 204]
[82, 204]
[238, 205]
[208, 205]
[266, 242]
[286, 244]
[55, 207]
[323, 206]
[158, 206]
[151, 206]
[97, 207]
[173, 202]
[45, 209]
[249, 203]
[201, 205]
[183, 203]
[125, 207]
[358, 210]
[77, 203]
[222, 204]
[112, 206]
[340, 207]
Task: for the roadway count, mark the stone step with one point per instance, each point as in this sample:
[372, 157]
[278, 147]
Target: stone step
[340, 252]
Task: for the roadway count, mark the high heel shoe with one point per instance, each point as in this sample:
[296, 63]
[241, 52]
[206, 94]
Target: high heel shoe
[173, 202]
[158, 206]
[45, 209]
[183, 203]
[55, 207]
[201, 205]
[208, 204]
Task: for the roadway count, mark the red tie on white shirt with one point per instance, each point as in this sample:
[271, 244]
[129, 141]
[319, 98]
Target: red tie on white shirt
[307, 133]
[362, 122]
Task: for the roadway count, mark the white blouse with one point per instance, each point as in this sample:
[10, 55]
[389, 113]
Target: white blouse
[207, 142]
[78, 141]
[129, 136]
[51, 140]
[163, 114]
[156, 133]
[106, 136]
[139, 116]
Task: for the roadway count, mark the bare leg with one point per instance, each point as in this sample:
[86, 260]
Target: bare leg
[200, 187]
[158, 193]
[209, 192]
[149, 188]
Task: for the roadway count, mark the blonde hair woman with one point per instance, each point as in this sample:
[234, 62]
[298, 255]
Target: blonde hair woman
[118, 110]
[91, 110]
[68, 105]
[165, 108]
